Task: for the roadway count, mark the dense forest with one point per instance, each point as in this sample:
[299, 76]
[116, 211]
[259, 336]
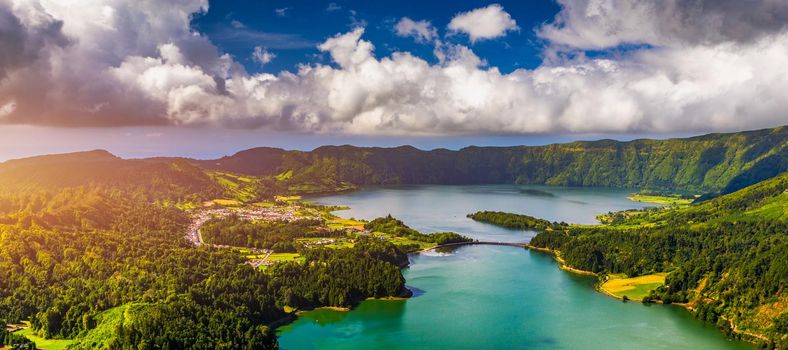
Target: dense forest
[101, 258]
[516, 221]
[276, 235]
[153, 178]
[15, 341]
[397, 228]
[714, 163]
[709, 163]
[728, 257]
[93, 248]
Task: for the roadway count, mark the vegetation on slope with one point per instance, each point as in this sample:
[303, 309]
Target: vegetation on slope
[15, 341]
[632, 288]
[709, 163]
[516, 221]
[662, 198]
[280, 236]
[87, 233]
[107, 236]
[152, 177]
[728, 257]
[397, 228]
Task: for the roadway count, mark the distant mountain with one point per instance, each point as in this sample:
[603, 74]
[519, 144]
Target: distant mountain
[101, 168]
[261, 161]
[708, 163]
[717, 163]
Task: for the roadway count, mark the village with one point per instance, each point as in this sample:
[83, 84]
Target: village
[258, 258]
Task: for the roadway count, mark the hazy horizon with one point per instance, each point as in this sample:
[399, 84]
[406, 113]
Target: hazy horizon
[147, 142]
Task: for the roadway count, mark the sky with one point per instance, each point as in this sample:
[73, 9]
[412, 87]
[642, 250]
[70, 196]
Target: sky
[206, 78]
[291, 31]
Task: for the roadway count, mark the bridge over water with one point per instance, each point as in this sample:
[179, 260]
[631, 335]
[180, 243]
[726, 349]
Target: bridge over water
[511, 244]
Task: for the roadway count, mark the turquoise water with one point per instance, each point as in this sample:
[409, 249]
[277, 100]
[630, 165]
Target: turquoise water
[490, 297]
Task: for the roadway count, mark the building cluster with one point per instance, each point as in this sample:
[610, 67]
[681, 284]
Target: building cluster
[264, 213]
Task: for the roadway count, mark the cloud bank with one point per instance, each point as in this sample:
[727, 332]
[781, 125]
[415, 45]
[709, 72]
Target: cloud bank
[599, 24]
[704, 66]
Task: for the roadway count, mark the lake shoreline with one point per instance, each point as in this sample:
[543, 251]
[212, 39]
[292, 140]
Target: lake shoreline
[293, 315]
[746, 336]
[597, 286]
[411, 204]
[562, 263]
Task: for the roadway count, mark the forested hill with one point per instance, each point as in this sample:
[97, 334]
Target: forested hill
[93, 255]
[727, 257]
[163, 177]
[709, 163]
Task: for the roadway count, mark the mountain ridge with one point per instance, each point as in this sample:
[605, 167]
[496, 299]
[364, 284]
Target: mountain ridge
[714, 163]
[704, 163]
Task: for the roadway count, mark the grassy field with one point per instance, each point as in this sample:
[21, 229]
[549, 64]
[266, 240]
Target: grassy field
[107, 322]
[339, 242]
[287, 199]
[340, 223]
[312, 188]
[665, 200]
[635, 288]
[242, 188]
[225, 202]
[46, 344]
[187, 205]
[280, 257]
[284, 176]
[340, 245]
[403, 241]
[775, 208]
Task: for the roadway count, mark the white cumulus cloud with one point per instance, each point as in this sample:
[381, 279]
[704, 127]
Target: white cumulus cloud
[422, 31]
[7, 108]
[262, 56]
[116, 62]
[483, 23]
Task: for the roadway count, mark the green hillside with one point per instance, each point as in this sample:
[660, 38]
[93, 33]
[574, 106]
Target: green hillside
[158, 177]
[726, 257]
[93, 247]
[93, 253]
[709, 163]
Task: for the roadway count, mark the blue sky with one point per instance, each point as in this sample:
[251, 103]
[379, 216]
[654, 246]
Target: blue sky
[293, 29]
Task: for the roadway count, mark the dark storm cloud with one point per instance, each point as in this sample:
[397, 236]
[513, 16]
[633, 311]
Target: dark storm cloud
[599, 24]
[22, 45]
[737, 20]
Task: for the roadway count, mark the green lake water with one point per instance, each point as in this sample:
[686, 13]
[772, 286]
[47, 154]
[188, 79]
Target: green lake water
[495, 297]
